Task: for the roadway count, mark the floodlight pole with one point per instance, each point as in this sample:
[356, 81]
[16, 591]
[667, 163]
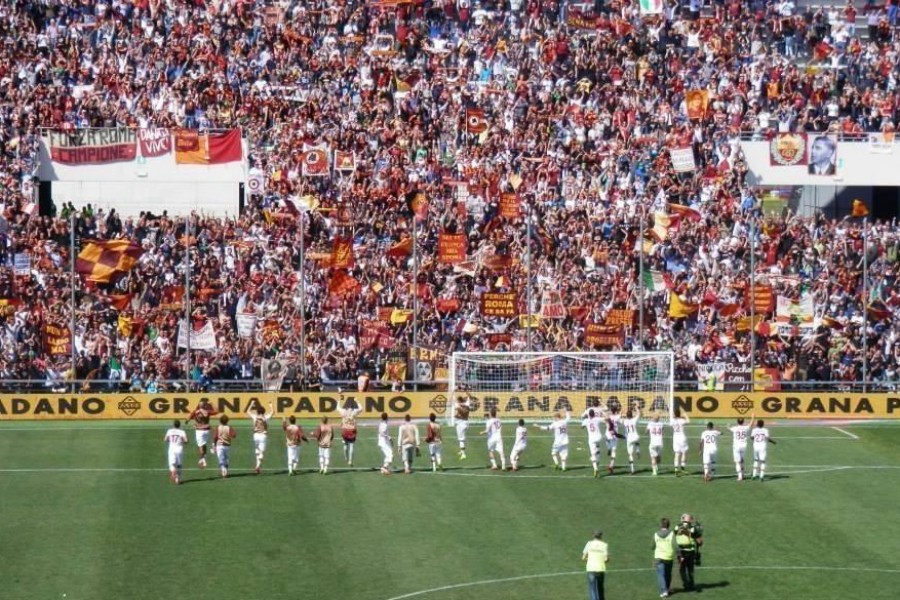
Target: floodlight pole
[72, 295]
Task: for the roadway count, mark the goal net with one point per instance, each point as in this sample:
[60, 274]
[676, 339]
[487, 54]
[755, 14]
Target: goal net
[539, 384]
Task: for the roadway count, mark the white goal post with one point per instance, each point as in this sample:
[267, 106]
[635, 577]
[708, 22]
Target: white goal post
[535, 385]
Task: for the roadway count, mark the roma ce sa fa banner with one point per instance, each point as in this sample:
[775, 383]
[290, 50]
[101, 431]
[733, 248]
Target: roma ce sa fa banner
[510, 405]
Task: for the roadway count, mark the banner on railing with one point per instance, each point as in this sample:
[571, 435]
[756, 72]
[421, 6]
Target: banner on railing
[509, 405]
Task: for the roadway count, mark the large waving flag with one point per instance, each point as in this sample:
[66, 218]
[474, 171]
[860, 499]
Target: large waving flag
[106, 261]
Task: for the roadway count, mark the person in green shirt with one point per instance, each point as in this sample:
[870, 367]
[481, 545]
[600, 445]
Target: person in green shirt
[664, 557]
[596, 555]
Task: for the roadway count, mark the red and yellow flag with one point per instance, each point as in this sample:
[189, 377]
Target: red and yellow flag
[106, 261]
[342, 253]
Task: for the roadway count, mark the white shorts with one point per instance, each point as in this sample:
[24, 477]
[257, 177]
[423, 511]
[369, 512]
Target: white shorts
[594, 449]
[202, 436]
[387, 451]
[611, 444]
[495, 445]
[655, 450]
[175, 457]
[293, 454]
[680, 444]
[634, 446]
[434, 448]
[738, 453]
[561, 449]
[709, 458]
[518, 448]
[461, 427]
[325, 453]
[260, 440]
[759, 454]
[222, 453]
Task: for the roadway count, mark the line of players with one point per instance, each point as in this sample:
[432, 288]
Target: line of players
[603, 428]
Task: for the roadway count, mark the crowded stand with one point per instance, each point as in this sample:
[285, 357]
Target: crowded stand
[462, 120]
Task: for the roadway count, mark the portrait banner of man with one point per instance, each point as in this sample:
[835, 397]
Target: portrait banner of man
[822, 156]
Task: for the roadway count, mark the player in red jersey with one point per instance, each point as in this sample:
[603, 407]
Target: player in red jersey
[201, 417]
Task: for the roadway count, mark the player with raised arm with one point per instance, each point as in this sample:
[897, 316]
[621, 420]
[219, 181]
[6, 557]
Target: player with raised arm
[222, 438]
[679, 440]
[632, 437]
[201, 417]
[761, 437]
[349, 427]
[324, 433]
[519, 445]
[559, 452]
[740, 433]
[493, 429]
[408, 443]
[176, 438]
[463, 408]
[293, 434]
[655, 430]
[709, 449]
[613, 421]
[435, 442]
[260, 423]
[594, 425]
[384, 444]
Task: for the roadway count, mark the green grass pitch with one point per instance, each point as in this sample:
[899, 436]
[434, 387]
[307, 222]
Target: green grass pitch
[87, 512]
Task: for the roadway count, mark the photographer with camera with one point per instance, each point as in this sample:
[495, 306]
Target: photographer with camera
[688, 539]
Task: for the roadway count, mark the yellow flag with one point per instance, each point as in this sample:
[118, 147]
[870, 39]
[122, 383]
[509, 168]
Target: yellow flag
[125, 326]
[678, 309]
[535, 320]
[400, 315]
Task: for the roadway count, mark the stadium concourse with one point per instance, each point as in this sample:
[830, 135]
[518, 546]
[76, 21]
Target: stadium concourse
[506, 97]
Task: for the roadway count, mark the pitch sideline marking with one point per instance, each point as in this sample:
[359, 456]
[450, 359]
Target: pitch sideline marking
[636, 570]
[851, 436]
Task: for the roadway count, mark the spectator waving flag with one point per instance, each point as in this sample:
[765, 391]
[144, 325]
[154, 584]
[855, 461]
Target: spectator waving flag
[106, 261]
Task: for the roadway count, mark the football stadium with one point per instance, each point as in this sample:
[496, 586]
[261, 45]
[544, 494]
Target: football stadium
[449, 299]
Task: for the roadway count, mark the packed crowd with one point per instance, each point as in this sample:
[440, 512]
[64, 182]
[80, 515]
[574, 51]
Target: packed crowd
[578, 116]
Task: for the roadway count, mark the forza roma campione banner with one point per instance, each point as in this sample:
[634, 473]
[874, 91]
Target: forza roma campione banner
[92, 146]
[510, 405]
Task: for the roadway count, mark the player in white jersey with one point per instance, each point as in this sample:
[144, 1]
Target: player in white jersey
[519, 445]
[259, 420]
[655, 430]
[679, 440]
[594, 425]
[493, 429]
[599, 411]
[560, 449]
[760, 436]
[709, 449]
[612, 437]
[176, 438]
[632, 437]
[384, 444]
[740, 433]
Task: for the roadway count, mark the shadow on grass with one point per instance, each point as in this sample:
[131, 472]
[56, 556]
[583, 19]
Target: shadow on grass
[698, 588]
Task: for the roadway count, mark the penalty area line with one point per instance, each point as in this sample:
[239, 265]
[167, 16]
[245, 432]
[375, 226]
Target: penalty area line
[851, 436]
[468, 584]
